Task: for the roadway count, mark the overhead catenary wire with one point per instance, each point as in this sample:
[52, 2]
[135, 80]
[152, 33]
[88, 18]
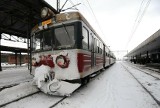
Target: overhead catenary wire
[140, 14]
[95, 17]
[91, 12]
[73, 4]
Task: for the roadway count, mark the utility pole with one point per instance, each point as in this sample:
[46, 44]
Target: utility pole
[58, 5]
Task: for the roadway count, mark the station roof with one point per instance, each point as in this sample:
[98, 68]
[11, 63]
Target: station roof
[19, 16]
[151, 44]
[14, 49]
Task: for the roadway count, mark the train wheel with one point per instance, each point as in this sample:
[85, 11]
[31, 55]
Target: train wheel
[85, 80]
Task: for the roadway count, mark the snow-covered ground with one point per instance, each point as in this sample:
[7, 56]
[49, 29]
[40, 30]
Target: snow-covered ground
[6, 65]
[14, 76]
[151, 83]
[113, 88]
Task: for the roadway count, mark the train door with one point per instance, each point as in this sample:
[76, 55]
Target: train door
[93, 56]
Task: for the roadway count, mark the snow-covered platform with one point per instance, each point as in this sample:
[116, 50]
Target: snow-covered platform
[115, 87]
[14, 76]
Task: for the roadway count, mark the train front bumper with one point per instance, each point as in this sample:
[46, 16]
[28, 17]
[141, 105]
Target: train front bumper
[60, 88]
[45, 80]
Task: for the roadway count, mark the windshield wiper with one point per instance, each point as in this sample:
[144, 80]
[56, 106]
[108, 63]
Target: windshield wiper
[66, 31]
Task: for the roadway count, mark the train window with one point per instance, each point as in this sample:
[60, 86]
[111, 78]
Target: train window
[100, 48]
[90, 41]
[64, 37]
[42, 40]
[47, 36]
[97, 46]
[85, 38]
[36, 41]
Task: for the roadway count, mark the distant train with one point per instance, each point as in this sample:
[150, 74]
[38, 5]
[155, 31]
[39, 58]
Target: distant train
[66, 50]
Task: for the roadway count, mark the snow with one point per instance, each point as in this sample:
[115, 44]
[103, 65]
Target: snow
[6, 65]
[152, 84]
[113, 88]
[39, 100]
[14, 76]
[145, 69]
[11, 94]
[66, 88]
[41, 73]
[53, 87]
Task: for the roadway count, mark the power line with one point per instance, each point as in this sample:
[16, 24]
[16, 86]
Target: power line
[138, 19]
[95, 17]
[73, 4]
[139, 11]
[91, 12]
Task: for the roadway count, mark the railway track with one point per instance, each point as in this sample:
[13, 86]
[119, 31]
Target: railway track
[151, 74]
[10, 102]
[31, 96]
[141, 84]
[52, 106]
[12, 85]
[15, 92]
[7, 98]
[145, 67]
[7, 86]
[22, 95]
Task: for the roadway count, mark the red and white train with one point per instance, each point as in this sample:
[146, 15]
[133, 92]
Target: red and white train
[66, 50]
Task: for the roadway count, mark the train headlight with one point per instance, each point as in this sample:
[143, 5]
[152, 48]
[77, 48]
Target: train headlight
[62, 61]
[46, 13]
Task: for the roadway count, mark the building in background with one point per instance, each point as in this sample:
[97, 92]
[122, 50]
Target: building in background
[14, 59]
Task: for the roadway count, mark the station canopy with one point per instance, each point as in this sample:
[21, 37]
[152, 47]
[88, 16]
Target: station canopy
[18, 17]
[151, 44]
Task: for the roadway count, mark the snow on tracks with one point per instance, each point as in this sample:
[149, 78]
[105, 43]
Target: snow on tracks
[150, 83]
[16, 93]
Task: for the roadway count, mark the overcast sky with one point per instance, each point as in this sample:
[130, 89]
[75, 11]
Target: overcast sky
[116, 19]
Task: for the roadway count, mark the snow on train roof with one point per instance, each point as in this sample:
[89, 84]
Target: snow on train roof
[59, 18]
[63, 17]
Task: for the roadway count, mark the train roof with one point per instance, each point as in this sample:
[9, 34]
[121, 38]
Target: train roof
[150, 44]
[67, 16]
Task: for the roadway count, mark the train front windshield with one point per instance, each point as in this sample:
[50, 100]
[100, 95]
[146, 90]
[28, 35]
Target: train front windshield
[54, 38]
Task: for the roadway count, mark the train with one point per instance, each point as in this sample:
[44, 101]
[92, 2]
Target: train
[66, 51]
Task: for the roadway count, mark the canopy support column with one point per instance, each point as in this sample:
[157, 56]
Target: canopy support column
[0, 52]
[29, 43]
[20, 58]
[16, 58]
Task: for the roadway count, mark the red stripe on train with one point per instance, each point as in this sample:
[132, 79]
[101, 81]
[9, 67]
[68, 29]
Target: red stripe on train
[83, 60]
